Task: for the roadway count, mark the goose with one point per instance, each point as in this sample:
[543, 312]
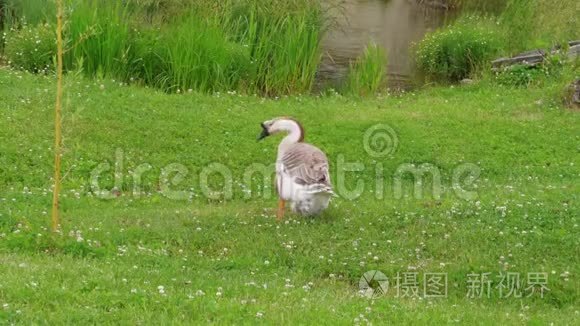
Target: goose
[302, 176]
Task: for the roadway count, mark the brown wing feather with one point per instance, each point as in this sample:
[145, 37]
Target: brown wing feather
[307, 164]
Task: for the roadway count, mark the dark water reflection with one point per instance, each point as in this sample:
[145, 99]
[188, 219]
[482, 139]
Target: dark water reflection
[392, 24]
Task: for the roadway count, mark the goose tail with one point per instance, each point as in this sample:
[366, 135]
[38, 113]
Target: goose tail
[321, 189]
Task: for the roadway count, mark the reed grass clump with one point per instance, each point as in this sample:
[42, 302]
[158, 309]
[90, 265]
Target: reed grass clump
[99, 38]
[196, 55]
[283, 39]
[368, 73]
[253, 46]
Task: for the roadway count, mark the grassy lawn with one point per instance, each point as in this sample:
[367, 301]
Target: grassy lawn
[145, 258]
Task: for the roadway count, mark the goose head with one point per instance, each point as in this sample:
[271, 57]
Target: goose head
[282, 124]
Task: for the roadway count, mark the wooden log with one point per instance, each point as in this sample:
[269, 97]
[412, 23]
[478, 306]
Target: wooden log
[574, 52]
[530, 58]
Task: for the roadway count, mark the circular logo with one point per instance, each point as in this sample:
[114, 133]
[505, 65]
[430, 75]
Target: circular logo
[373, 284]
[380, 140]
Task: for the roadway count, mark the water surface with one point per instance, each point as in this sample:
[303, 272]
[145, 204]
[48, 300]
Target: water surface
[392, 24]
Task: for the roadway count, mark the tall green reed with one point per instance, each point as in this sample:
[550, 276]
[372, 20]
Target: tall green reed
[196, 55]
[284, 44]
[254, 46]
[99, 38]
[367, 74]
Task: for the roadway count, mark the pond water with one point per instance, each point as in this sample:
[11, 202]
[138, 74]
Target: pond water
[392, 24]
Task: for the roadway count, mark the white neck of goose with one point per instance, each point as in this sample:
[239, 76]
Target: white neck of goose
[294, 130]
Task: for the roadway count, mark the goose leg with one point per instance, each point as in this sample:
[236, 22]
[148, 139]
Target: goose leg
[281, 205]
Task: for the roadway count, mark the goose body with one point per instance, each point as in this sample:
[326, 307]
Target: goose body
[302, 170]
[302, 178]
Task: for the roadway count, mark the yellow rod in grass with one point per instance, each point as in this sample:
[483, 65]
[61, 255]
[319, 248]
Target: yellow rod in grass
[57, 119]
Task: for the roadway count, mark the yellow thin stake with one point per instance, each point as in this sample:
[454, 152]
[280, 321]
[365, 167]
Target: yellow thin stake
[57, 119]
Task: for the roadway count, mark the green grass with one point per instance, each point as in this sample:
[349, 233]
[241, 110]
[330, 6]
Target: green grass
[539, 24]
[228, 261]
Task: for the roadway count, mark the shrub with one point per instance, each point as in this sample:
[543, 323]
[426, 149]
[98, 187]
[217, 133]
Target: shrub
[456, 52]
[518, 75]
[31, 48]
[367, 74]
[524, 75]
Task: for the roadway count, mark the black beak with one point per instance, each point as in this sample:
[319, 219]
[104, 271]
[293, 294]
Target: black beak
[264, 132]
